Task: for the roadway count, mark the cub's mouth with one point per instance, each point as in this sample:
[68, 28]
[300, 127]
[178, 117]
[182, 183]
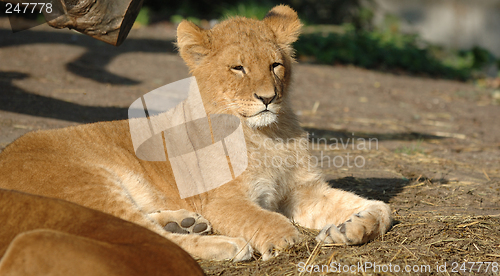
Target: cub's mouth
[256, 114]
[261, 119]
[263, 112]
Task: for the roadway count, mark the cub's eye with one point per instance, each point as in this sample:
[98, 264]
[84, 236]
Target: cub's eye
[238, 68]
[276, 64]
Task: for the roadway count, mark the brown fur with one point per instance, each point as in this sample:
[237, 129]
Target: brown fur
[240, 65]
[44, 236]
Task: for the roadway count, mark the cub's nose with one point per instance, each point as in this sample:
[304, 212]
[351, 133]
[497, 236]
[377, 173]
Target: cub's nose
[265, 100]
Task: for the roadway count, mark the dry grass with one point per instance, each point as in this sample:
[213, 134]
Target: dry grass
[422, 240]
[438, 221]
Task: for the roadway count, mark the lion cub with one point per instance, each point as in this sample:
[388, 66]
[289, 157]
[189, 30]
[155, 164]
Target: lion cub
[243, 68]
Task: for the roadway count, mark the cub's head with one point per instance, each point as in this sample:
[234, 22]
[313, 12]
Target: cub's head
[243, 66]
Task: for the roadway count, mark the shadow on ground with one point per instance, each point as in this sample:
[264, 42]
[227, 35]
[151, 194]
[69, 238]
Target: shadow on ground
[378, 188]
[341, 137]
[92, 64]
[15, 99]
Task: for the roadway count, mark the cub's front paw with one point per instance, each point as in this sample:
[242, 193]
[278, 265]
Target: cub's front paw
[273, 238]
[227, 248]
[182, 222]
[213, 247]
[361, 227]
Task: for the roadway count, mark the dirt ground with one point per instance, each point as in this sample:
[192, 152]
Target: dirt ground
[428, 147]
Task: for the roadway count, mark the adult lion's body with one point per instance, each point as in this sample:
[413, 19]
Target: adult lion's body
[243, 68]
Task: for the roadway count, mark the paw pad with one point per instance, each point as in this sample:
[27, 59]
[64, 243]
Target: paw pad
[173, 227]
[189, 225]
[198, 228]
[187, 222]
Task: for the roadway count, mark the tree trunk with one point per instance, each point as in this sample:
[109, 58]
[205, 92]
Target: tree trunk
[107, 20]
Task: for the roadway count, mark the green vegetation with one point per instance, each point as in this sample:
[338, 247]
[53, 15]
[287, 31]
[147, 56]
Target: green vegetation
[389, 49]
[143, 18]
[178, 18]
[249, 9]
[358, 42]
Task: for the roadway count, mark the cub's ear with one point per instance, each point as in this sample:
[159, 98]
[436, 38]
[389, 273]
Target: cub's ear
[285, 24]
[192, 42]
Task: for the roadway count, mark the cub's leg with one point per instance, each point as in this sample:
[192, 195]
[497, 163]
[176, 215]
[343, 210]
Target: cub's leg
[213, 247]
[182, 222]
[116, 203]
[343, 217]
[202, 247]
[237, 216]
[198, 246]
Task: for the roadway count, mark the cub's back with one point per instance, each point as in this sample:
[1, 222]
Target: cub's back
[76, 163]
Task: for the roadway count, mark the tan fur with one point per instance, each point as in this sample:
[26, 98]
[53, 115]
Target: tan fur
[239, 64]
[46, 236]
